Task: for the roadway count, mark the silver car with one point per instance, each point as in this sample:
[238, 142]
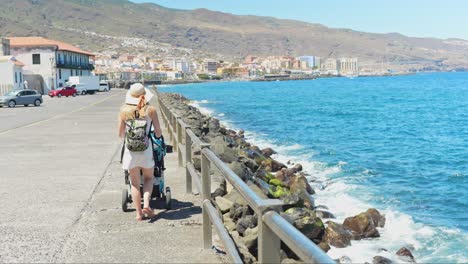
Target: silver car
[21, 97]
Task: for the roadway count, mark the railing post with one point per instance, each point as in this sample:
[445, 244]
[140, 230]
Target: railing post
[188, 158]
[206, 194]
[179, 142]
[269, 244]
[174, 127]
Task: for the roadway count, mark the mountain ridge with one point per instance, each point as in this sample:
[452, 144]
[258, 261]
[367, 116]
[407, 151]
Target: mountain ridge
[234, 36]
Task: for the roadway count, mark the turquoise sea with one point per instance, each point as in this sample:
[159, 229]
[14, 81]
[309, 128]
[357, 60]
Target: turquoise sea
[399, 144]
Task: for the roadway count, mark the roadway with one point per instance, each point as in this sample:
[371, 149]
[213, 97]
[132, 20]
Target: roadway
[60, 189]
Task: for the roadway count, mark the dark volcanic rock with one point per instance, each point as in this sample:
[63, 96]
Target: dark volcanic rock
[249, 221]
[405, 254]
[267, 152]
[381, 260]
[324, 214]
[307, 222]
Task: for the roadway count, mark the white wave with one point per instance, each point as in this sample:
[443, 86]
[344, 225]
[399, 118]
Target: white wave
[222, 114]
[203, 110]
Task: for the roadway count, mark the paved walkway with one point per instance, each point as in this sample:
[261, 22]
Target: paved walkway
[76, 158]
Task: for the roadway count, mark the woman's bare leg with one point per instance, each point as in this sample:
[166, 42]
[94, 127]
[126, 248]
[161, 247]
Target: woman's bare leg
[136, 194]
[147, 186]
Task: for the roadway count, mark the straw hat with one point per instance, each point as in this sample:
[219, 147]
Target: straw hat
[136, 90]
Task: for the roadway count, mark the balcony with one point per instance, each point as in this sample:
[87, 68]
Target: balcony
[89, 67]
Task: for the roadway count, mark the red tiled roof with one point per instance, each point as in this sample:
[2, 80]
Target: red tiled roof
[40, 41]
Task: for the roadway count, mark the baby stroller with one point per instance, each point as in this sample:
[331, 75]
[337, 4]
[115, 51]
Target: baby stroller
[159, 190]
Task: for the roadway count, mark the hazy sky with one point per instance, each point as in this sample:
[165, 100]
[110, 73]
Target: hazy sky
[418, 18]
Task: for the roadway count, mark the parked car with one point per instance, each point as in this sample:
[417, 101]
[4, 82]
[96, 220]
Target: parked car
[21, 97]
[64, 91]
[104, 86]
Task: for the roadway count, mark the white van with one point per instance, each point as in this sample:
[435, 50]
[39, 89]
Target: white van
[104, 86]
[80, 88]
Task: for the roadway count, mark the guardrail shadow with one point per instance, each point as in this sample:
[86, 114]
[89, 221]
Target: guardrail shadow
[180, 210]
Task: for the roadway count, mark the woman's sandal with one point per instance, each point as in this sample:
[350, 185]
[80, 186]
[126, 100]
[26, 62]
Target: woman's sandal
[148, 212]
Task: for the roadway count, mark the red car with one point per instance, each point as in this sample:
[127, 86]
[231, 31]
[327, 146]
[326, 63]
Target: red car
[65, 91]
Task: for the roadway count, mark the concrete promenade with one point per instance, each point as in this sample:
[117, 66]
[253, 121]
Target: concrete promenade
[60, 189]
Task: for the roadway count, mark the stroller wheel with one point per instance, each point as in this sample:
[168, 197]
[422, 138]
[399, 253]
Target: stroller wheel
[124, 200]
[127, 181]
[168, 198]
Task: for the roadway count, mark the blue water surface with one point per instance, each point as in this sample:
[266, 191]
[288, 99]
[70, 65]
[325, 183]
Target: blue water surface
[404, 139]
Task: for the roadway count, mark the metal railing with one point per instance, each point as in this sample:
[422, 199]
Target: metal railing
[272, 227]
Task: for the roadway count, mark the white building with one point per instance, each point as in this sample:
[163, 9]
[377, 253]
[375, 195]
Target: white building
[173, 75]
[11, 74]
[51, 60]
[210, 66]
[349, 66]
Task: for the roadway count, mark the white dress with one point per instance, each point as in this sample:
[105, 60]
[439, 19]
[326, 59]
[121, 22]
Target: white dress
[142, 159]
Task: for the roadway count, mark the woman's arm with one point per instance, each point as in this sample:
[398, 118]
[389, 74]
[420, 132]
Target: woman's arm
[154, 117]
[121, 126]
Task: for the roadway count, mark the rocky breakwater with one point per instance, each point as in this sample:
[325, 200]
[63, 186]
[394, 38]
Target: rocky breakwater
[272, 179]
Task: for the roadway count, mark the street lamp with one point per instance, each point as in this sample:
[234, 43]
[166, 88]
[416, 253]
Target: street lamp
[52, 65]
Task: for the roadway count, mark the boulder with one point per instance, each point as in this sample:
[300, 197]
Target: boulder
[257, 190]
[244, 252]
[405, 254]
[236, 211]
[292, 200]
[228, 222]
[290, 261]
[267, 152]
[324, 246]
[344, 260]
[235, 197]
[273, 164]
[250, 163]
[225, 153]
[299, 182]
[249, 221]
[240, 169]
[379, 220]
[223, 204]
[297, 167]
[241, 133]
[362, 224]
[381, 260]
[337, 236]
[250, 238]
[220, 191]
[324, 214]
[307, 222]
[223, 130]
[197, 162]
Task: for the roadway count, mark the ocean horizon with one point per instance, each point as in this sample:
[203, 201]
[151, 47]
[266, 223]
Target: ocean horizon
[398, 144]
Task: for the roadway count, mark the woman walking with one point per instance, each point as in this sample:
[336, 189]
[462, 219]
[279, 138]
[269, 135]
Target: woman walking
[135, 121]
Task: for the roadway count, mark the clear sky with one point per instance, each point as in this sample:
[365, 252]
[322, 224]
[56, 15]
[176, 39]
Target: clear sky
[417, 18]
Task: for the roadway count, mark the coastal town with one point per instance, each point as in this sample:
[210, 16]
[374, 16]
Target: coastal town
[44, 65]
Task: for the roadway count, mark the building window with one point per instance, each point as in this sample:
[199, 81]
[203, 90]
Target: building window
[16, 77]
[71, 72]
[21, 77]
[36, 58]
[60, 74]
[81, 72]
